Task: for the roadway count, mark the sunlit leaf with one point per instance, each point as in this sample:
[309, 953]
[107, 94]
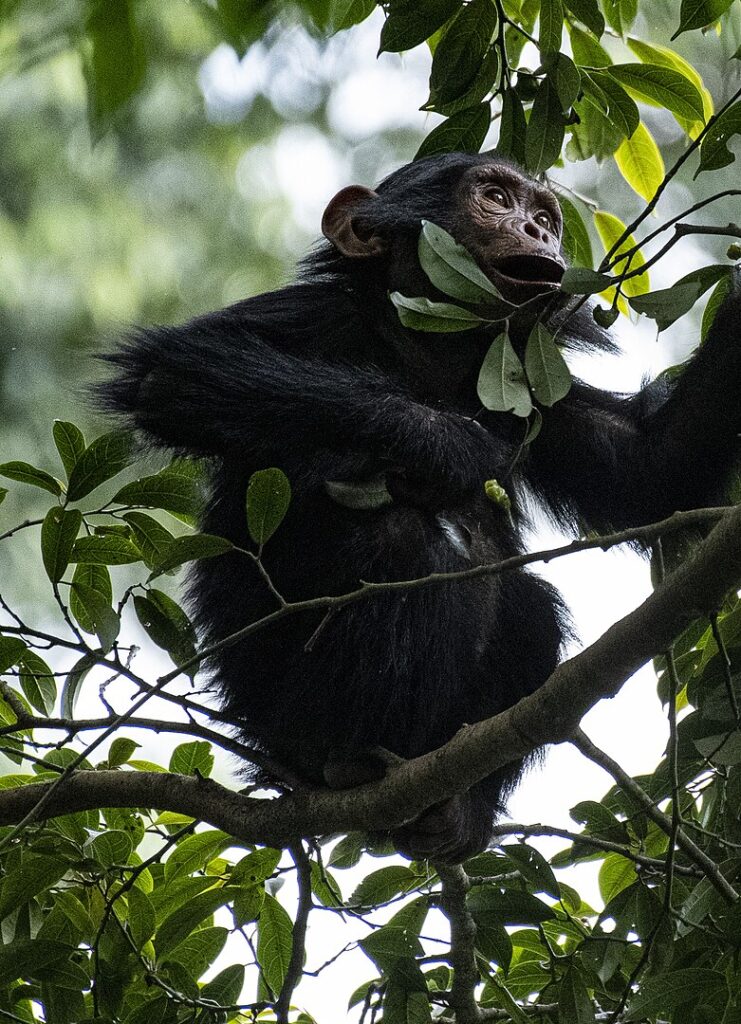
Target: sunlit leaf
[610, 228]
[640, 163]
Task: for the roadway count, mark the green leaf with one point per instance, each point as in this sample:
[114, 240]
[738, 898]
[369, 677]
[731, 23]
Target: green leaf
[507, 906]
[545, 367]
[586, 50]
[576, 243]
[101, 460]
[545, 130]
[662, 85]
[199, 950]
[451, 268]
[268, 498]
[551, 27]
[614, 100]
[225, 989]
[94, 577]
[382, 885]
[583, 281]
[409, 23]
[662, 994]
[107, 550]
[194, 852]
[23, 958]
[3, 494]
[461, 51]
[512, 127]
[588, 13]
[11, 651]
[640, 162]
[620, 14]
[120, 751]
[610, 228]
[438, 317]
[344, 14]
[142, 918]
[482, 85]
[38, 683]
[616, 874]
[111, 847]
[699, 13]
[714, 151]
[463, 132]
[115, 61]
[34, 875]
[74, 682]
[715, 301]
[58, 533]
[574, 1004]
[70, 444]
[170, 489]
[27, 474]
[502, 386]
[152, 538]
[191, 758]
[98, 613]
[274, 942]
[181, 922]
[534, 868]
[192, 547]
[255, 867]
[167, 625]
[669, 304]
[652, 53]
[566, 79]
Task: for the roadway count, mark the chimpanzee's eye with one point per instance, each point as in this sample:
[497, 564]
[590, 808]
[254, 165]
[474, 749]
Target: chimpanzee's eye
[497, 194]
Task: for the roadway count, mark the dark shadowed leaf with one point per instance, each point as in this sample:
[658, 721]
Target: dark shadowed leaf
[502, 385]
[38, 683]
[714, 151]
[576, 243]
[98, 613]
[172, 489]
[545, 130]
[34, 875]
[437, 317]
[190, 548]
[12, 649]
[382, 885]
[574, 1004]
[668, 304]
[507, 906]
[675, 988]
[102, 459]
[226, 987]
[94, 577]
[28, 955]
[699, 13]
[461, 51]
[152, 538]
[545, 367]
[58, 533]
[534, 868]
[74, 682]
[268, 498]
[167, 625]
[410, 22]
[551, 27]
[115, 62]
[588, 13]
[661, 85]
[142, 918]
[110, 549]
[714, 303]
[28, 474]
[70, 444]
[583, 281]
[464, 132]
[451, 268]
[512, 127]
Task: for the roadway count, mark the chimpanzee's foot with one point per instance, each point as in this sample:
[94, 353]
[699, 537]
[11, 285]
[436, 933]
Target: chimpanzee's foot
[449, 832]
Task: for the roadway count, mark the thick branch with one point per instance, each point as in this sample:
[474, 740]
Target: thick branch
[551, 715]
[455, 886]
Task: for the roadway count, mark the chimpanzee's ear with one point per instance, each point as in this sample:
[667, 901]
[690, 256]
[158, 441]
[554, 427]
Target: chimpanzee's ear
[340, 226]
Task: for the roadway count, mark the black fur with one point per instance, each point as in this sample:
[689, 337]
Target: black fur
[321, 380]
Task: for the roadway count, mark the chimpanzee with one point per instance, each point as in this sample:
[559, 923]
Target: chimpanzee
[322, 380]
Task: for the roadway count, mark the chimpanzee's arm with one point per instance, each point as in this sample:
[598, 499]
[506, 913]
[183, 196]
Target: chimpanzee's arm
[212, 387]
[618, 462]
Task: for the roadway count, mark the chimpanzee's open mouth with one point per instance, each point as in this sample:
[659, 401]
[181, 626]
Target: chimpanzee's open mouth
[531, 270]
